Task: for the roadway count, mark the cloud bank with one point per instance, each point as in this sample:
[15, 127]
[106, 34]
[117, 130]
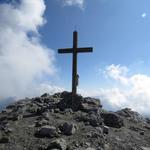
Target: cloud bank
[128, 91]
[24, 61]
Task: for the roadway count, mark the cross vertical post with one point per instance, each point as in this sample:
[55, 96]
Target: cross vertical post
[74, 63]
[75, 50]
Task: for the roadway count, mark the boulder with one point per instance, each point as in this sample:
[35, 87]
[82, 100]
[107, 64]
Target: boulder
[47, 131]
[78, 103]
[112, 120]
[130, 114]
[92, 101]
[67, 102]
[91, 105]
[4, 139]
[68, 128]
[92, 119]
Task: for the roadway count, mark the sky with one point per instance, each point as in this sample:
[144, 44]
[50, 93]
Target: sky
[117, 72]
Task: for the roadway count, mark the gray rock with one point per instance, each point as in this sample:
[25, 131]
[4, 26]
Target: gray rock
[57, 110]
[68, 128]
[99, 130]
[45, 95]
[85, 125]
[89, 108]
[92, 101]
[148, 120]
[90, 148]
[15, 117]
[67, 102]
[59, 144]
[68, 111]
[95, 135]
[12, 106]
[91, 105]
[112, 120]
[47, 131]
[132, 115]
[8, 130]
[46, 115]
[4, 139]
[134, 128]
[105, 129]
[142, 133]
[145, 148]
[41, 123]
[91, 119]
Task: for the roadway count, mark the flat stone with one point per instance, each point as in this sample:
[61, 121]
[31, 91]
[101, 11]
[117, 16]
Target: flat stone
[90, 148]
[145, 148]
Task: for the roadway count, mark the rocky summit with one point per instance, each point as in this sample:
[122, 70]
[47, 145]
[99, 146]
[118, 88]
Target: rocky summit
[56, 122]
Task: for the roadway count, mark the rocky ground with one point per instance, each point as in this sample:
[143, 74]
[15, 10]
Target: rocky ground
[55, 122]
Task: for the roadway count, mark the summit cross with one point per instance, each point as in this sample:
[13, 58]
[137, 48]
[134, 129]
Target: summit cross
[75, 50]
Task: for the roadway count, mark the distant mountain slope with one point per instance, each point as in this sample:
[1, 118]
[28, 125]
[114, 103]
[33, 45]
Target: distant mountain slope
[6, 102]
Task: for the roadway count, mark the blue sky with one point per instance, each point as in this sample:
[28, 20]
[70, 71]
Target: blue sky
[118, 30]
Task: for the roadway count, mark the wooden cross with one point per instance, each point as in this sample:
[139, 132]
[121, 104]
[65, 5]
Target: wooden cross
[75, 50]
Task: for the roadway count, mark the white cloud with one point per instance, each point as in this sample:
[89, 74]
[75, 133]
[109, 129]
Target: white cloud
[116, 72]
[79, 3]
[132, 91]
[23, 59]
[134, 94]
[45, 88]
[26, 16]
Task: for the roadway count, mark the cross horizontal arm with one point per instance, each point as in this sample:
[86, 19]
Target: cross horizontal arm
[78, 50]
[65, 50]
[84, 50]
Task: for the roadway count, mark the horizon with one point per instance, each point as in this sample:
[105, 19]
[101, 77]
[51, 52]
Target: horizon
[117, 72]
